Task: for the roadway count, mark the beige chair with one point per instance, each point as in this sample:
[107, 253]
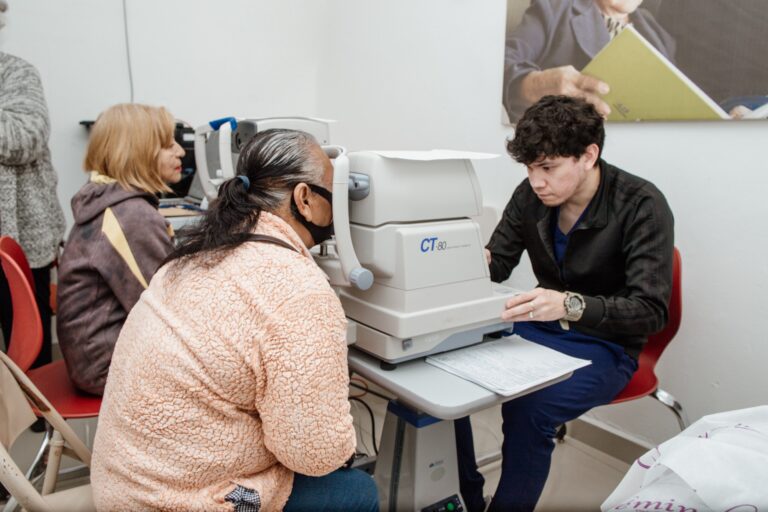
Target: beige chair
[18, 397]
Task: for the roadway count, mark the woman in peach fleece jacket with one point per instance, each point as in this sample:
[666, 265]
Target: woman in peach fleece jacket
[228, 384]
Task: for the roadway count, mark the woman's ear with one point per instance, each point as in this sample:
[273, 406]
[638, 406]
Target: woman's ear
[301, 198]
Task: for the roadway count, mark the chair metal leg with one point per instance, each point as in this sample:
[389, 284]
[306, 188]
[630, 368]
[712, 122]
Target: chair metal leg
[669, 400]
[36, 469]
[54, 462]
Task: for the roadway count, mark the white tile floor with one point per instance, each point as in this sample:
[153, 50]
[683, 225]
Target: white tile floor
[580, 478]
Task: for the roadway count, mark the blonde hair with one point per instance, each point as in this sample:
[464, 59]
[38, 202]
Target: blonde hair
[125, 143]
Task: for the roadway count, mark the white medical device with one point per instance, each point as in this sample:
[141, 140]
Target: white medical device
[411, 217]
[407, 256]
[228, 135]
[217, 150]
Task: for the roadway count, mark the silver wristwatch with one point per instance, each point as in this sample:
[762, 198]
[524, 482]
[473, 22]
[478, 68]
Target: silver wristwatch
[574, 306]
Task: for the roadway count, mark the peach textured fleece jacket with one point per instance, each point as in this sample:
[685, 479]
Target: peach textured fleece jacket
[233, 375]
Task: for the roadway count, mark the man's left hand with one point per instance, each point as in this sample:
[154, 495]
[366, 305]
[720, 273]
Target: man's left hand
[538, 304]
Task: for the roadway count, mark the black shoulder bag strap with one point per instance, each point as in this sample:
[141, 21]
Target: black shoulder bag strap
[270, 240]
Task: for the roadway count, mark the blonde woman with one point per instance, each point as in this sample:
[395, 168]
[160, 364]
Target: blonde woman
[119, 238]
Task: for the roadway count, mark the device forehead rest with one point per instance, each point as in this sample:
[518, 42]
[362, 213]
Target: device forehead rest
[333, 151]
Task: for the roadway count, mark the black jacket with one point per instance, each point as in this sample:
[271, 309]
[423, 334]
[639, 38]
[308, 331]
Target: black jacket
[619, 256]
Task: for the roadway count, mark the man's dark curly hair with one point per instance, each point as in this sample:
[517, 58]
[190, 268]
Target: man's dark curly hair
[556, 126]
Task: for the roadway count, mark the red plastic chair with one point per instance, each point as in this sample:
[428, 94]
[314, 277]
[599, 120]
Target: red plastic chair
[9, 246]
[23, 348]
[645, 382]
[26, 340]
[14, 250]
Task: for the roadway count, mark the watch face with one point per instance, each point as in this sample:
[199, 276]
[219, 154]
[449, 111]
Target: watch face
[574, 303]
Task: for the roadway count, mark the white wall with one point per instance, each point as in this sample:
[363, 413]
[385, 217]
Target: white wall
[715, 177]
[423, 74]
[81, 59]
[428, 74]
[201, 60]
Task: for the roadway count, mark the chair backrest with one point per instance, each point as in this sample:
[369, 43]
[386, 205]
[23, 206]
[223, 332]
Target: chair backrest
[12, 248]
[659, 341]
[15, 382]
[27, 330]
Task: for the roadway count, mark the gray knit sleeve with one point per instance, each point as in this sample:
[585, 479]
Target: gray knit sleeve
[24, 125]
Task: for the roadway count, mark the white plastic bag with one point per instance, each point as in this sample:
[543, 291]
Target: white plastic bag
[718, 464]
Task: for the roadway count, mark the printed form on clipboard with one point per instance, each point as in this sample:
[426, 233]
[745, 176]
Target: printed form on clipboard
[507, 366]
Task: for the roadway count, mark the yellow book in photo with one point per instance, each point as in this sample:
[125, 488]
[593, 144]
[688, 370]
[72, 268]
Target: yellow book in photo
[645, 85]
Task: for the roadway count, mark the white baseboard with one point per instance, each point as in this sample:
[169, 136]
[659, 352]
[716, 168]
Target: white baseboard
[608, 439]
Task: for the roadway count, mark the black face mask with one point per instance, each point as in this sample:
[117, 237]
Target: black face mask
[319, 233]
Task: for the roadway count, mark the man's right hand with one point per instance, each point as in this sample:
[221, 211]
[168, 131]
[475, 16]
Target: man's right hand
[565, 80]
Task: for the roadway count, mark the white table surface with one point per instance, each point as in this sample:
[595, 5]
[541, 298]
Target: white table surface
[431, 390]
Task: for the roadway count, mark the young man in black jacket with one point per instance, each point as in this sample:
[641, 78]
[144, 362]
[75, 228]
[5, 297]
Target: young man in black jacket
[600, 241]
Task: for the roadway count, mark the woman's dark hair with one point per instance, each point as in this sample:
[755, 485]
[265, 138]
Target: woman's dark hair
[274, 161]
[556, 126]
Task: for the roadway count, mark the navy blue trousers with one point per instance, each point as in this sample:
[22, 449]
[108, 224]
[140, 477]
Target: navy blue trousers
[531, 422]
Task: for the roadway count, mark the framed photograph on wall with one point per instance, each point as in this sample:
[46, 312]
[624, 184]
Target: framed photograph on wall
[639, 60]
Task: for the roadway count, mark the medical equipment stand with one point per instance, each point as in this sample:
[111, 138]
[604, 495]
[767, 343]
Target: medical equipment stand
[412, 441]
[415, 470]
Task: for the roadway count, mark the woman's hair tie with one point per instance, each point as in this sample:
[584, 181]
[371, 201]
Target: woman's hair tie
[246, 182]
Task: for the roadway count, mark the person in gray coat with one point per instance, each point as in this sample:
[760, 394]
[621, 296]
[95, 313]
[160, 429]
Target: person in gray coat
[30, 212]
[557, 38]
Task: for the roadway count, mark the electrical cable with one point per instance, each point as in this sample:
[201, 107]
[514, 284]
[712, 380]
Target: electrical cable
[127, 48]
[375, 393]
[363, 383]
[373, 422]
[363, 445]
